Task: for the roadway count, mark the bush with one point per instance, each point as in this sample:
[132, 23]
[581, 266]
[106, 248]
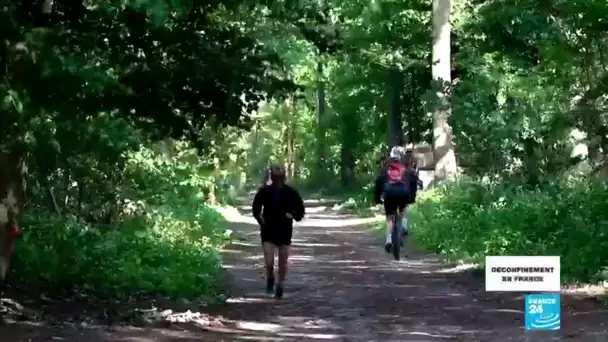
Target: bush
[166, 243]
[470, 219]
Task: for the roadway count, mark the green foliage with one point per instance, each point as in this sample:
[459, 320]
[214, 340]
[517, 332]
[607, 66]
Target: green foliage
[130, 115]
[471, 219]
[174, 69]
[166, 242]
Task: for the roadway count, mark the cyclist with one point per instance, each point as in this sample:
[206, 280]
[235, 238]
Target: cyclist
[395, 183]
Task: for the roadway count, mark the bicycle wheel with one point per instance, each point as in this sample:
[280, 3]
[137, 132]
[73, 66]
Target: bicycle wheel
[396, 238]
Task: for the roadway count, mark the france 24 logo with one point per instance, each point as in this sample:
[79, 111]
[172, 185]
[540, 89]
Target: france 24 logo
[543, 312]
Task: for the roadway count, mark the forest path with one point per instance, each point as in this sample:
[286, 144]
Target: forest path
[342, 286]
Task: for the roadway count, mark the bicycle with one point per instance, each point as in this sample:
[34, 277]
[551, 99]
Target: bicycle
[397, 236]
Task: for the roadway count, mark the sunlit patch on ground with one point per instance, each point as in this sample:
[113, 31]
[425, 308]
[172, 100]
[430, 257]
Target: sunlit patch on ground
[309, 244]
[315, 210]
[458, 268]
[246, 244]
[327, 223]
[257, 326]
[313, 336]
[248, 300]
[342, 232]
[425, 334]
[349, 262]
[588, 289]
[519, 312]
[231, 251]
[330, 216]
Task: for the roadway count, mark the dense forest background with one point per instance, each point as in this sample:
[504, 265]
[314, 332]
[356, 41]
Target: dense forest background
[126, 122]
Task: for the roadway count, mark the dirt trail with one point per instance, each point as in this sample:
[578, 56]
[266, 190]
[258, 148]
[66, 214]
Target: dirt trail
[342, 286]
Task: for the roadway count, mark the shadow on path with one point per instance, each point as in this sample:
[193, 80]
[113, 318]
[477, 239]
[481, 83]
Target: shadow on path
[343, 287]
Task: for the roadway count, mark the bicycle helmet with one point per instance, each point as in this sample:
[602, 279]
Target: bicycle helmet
[397, 153]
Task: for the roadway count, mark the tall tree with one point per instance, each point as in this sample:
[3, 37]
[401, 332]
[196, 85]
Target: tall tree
[443, 146]
[321, 129]
[395, 131]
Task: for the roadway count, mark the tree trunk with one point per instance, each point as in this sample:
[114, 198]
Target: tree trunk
[12, 202]
[321, 153]
[291, 140]
[347, 166]
[394, 117]
[443, 146]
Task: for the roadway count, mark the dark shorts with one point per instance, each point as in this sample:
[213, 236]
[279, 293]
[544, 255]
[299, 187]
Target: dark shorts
[278, 236]
[392, 203]
[397, 196]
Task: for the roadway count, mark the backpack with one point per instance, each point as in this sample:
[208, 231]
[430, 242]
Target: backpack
[395, 172]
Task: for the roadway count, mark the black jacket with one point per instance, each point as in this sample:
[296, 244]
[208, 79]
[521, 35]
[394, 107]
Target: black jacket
[410, 178]
[276, 203]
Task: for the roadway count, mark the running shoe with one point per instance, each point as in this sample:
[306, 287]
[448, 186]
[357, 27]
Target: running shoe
[269, 285]
[278, 291]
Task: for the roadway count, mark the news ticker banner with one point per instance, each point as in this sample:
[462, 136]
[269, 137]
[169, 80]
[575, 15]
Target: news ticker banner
[529, 274]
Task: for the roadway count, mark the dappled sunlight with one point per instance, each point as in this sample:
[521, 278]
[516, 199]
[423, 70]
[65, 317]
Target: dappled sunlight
[594, 312]
[311, 244]
[231, 251]
[346, 269]
[341, 281]
[519, 312]
[238, 218]
[238, 267]
[347, 261]
[257, 326]
[246, 244]
[313, 336]
[349, 232]
[447, 296]
[291, 258]
[329, 216]
[249, 300]
[259, 338]
[301, 258]
[327, 223]
[133, 334]
[458, 268]
[419, 333]
[320, 201]
[600, 289]
[381, 286]
[316, 210]
[152, 335]
[134, 339]
[300, 322]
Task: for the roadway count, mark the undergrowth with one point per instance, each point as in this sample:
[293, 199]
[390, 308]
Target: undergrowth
[467, 220]
[167, 241]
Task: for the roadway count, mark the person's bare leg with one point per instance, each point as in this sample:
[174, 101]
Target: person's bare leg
[403, 220]
[283, 259]
[389, 227]
[269, 251]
